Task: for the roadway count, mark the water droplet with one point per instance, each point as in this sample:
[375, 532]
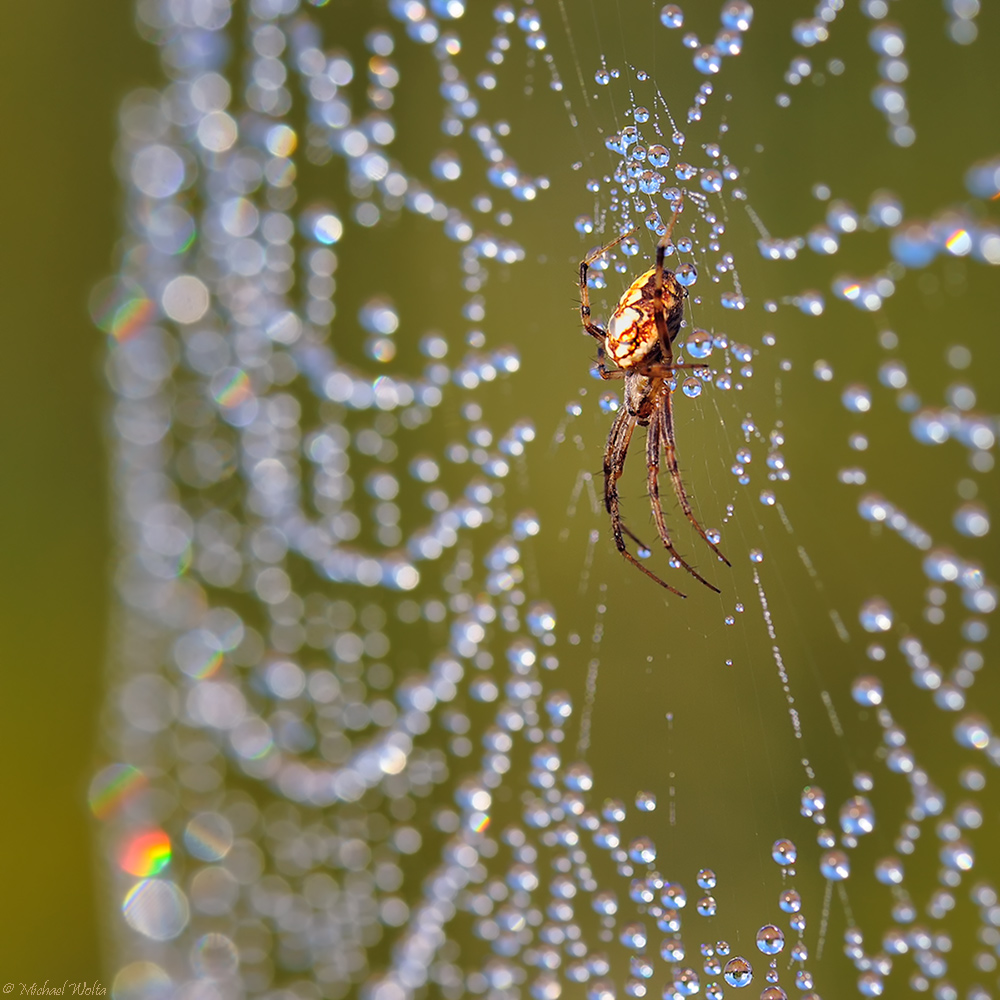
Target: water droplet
[737, 15]
[658, 156]
[790, 901]
[738, 972]
[889, 871]
[642, 851]
[867, 691]
[857, 816]
[645, 801]
[699, 344]
[835, 866]
[686, 274]
[770, 939]
[673, 896]
[671, 16]
[972, 520]
[708, 60]
[876, 615]
[857, 398]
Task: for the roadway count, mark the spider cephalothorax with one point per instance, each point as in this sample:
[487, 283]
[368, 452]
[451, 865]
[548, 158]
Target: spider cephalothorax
[638, 340]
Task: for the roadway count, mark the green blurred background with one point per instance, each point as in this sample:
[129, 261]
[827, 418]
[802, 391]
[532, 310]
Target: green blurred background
[730, 748]
[66, 67]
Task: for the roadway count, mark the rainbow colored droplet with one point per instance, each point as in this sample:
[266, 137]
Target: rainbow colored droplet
[960, 242]
[112, 787]
[121, 308]
[145, 854]
[235, 390]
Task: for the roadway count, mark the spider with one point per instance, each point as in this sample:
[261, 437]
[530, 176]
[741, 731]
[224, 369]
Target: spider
[638, 340]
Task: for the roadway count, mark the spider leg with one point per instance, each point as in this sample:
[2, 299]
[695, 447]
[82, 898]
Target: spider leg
[654, 443]
[602, 365]
[665, 415]
[659, 315]
[614, 464]
[594, 329]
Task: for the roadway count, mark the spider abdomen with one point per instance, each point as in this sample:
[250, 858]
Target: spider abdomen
[632, 335]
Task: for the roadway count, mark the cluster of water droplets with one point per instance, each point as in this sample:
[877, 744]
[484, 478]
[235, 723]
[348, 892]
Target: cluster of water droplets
[298, 803]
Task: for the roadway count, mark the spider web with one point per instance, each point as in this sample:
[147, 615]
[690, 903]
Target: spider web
[388, 716]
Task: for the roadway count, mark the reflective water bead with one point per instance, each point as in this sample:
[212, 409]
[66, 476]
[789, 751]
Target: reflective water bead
[863, 781]
[870, 984]
[613, 810]
[841, 217]
[692, 386]
[876, 615]
[686, 982]
[729, 43]
[885, 209]
[641, 966]
[857, 398]
[609, 402]
[813, 800]
[633, 936]
[686, 274]
[673, 896]
[738, 972]
[857, 816]
[835, 866]
[958, 856]
[699, 344]
[605, 903]
[887, 40]
[708, 60]
[642, 850]
[790, 901]
[671, 16]
[706, 906]
[711, 181]
[446, 166]
[867, 691]
[773, 993]
[672, 950]
[972, 520]
[784, 852]
[706, 878]
[645, 801]
[658, 156]
[770, 939]
[640, 891]
[737, 15]
[889, 871]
